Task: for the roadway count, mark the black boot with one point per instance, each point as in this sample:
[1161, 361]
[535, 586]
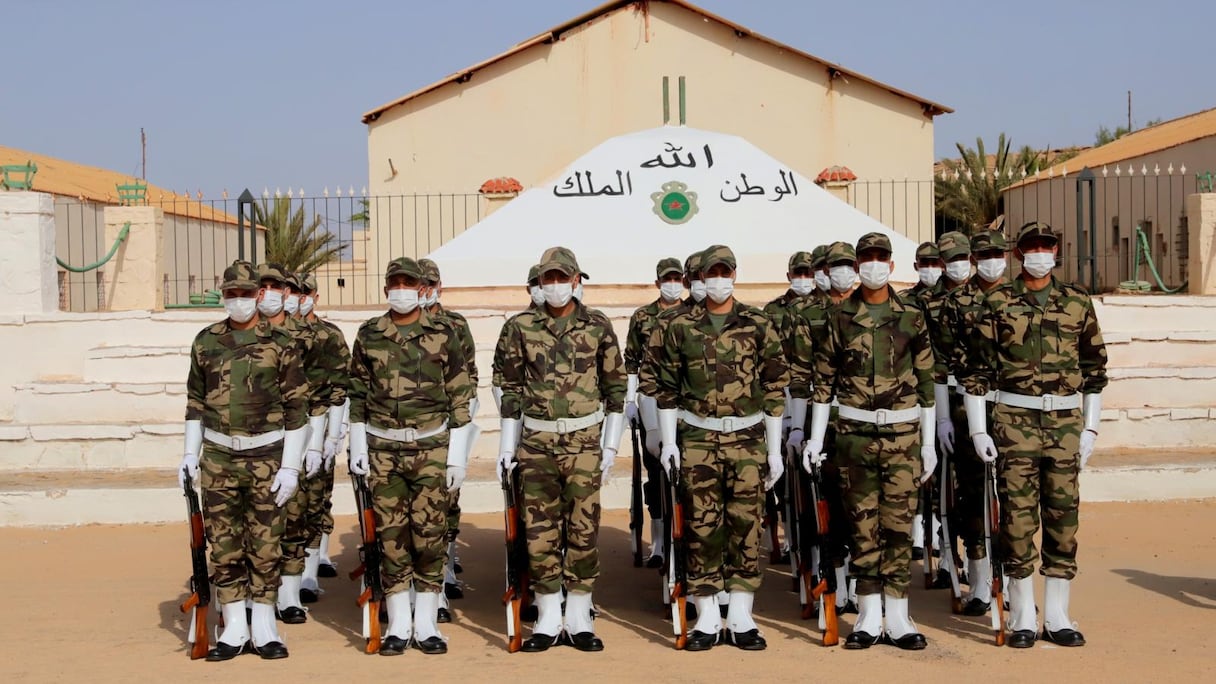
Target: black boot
[393, 646]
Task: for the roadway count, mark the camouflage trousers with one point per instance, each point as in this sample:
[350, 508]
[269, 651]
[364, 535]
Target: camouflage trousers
[652, 489]
[879, 474]
[724, 507]
[244, 526]
[1037, 468]
[410, 497]
[320, 506]
[560, 482]
[967, 515]
[296, 534]
[453, 518]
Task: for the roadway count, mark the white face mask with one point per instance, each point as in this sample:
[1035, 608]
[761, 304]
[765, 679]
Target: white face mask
[698, 290]
[272, 303]
[875, 274]
[291, 304]
[802, 286]
[578, 292]
[240, 309]
[403, 301]
[306, 304]
[958, 271]
[1038, 264]
[558, 295]
[719, 289]
[929, 275]
[671, 290]
[431, 299]
[991, 270]
[538, 294]
[822, 281]
[842, 277]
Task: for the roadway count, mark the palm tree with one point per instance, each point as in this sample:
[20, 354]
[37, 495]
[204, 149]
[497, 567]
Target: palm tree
[968, 195]
[297, 246]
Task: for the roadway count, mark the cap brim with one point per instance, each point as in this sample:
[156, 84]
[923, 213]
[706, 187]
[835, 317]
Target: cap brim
[564, 268]
[239, 285]
[668, 271]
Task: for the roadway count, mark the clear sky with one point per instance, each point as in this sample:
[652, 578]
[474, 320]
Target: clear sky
[269, 94]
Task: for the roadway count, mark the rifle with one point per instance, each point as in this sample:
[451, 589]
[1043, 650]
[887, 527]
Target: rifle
[926, 499]
[370, 556]
[200, 583]
[677, 553]
[947, 557]
[514, 595]
[793, 522]
[635, 498]
[824, 586]
[992, 524]
[771, 521]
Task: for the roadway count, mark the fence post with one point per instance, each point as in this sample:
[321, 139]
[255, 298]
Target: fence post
[133, 278]
[1087, 252]
[28, 280]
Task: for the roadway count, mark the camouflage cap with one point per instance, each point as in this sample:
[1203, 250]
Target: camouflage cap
[534, 274]
[308, 283]
[560, 259]
[274, 272]
[294, 281]
[403, 266]
[240, 276]
[430, 270]
[692, 264]
[1034, 230]
[927, 250]
[666, 266]
[717, 254]
[874, 241]
[952, 245]
[801, 260]
[840, 251]
[989, 240]
[819, 256]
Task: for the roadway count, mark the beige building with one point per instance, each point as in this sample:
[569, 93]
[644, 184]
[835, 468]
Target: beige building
[1139, 181]
[528, 112]
[200, 236]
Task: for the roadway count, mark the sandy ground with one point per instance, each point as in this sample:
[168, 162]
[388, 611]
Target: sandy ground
[100, 603]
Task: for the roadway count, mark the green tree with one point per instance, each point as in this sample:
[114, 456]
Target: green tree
[1106, 135]
[968, 196]
[299, 245]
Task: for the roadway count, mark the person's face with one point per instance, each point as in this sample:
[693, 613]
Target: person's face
[868, 255]
[240, 292]
[989, 254]
[401, 281]
[720, 270]
[928, 262]
[670, 278]
[800, 272]
[553, 277]
[1037, 244]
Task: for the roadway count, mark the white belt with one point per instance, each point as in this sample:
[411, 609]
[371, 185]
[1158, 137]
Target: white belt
[239, 443]
[881, 416]
[406, 434]
[990, 397]
[564, 426]
[727, 424]
[1047, 402]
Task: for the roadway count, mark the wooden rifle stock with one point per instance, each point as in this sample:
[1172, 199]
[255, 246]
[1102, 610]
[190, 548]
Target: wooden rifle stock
[200, 582]
[369, 567]
[679, 591]
[997, 595]
[635, 497]
[512, 598]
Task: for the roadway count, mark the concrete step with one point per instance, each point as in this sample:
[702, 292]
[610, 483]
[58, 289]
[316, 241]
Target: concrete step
[99, 402]
[137, 364]
[1130, 313]
[1161, 387]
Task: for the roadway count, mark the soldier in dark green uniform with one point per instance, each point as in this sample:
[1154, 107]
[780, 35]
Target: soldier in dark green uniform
[409, 411]
[877, 361]
[928, 269]
[246, 402]
[563, 383]
[721, 370]
[1041, 350]
[669, 280]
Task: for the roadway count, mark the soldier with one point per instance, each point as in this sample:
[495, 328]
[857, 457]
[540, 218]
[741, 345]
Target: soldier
[409, 408]
[1042, 351]
[334, 376]
[500, 348]
[562, 371]
[928, 269]
[669, 280]
[721, 370]
[246, 397]
[877, 361]
[433, 288]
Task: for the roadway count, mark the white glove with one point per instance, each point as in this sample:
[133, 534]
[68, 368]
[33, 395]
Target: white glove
[795, 440]
[194, 446]
[344, 424]
[812, 451]
[455, 477]
[945, 424]
[312, 462]
[928, 462]
[358, 448]
[631, 412]
[977, 425]
[507, 440]
[330, 453]
[189, 465]
[285, 484]
[812, 455]
[631, 397]
[669, 456]
[772, 439]
[652, 442]
[606, 461]
[1092, 411]
[928, 450]
[1088, 438]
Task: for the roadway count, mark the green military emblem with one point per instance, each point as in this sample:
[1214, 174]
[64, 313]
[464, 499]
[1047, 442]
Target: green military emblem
[675, 204]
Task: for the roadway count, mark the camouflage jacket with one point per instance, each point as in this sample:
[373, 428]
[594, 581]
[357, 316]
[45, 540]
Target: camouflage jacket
[1028, 349]
[561, 368]
[781, 311]
[932, 302]
[316, 375]
[335, 357]
[915, 291]
[737, 372]
[648, 364]
[961, 315]
[870, 365]
[411, 379]
[500, 349]
[461, 325]
[641, 324]
[246, 382]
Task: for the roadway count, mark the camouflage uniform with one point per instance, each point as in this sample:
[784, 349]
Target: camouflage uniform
[412, 376]
[739, 371]
[1030, 349]
[334, 355]
[872, 364]
[244, 383]
[553, 369]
